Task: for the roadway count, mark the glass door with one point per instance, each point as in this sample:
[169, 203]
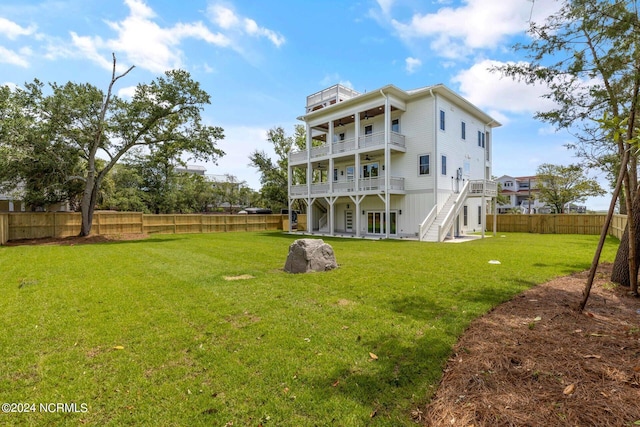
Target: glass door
[376, 222]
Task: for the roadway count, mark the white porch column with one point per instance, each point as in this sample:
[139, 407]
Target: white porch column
[357, 129]
[289, 181]
[332, 213]
[330, 137]
[309, 177]
[386, 165]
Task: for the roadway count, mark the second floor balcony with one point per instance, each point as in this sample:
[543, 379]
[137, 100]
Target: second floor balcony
[374, 184]
[369, 141]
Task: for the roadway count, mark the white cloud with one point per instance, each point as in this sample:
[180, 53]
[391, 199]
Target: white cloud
[145, 43]
[8, 56]
[127, 92]
[491, 91]
[478, 24]
[227, 19]
[223, 16]
[12, 31]
[412, 64]
[385, 5]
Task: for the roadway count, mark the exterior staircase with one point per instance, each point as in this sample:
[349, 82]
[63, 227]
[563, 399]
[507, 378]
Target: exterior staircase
[432, 233]
[439, 222]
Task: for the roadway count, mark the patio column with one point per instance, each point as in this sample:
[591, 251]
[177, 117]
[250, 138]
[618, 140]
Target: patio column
[386, 165]
[309, 177]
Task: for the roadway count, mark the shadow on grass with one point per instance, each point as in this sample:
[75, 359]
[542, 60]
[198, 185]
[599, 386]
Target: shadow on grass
[401, 374]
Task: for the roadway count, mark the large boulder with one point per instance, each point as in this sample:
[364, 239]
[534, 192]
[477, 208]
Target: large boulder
[307, 255]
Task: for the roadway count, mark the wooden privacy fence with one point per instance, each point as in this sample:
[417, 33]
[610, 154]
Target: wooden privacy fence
[558, 224]
[4, 228]
[29, 225]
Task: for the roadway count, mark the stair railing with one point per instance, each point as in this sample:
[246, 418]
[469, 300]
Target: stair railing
[447, 222]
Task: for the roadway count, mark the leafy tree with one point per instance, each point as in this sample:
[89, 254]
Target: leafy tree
[35, 162]
[163, 115]
[561, 185]
[274, 175]
[588, 55]
[231, 192]
[122, 190]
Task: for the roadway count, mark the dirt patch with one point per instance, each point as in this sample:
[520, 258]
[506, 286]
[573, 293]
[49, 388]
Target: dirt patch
[241, 277]
[76, 240]
[534, 361]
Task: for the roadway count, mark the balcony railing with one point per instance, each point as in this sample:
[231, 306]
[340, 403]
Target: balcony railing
[320, 151]
[483, 187]
[342, 187]
[374, 140]
[348, 144]
[297, 156]
[377, 139]
[335, 93]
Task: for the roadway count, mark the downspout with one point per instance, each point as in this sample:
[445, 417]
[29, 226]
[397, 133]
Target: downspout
[387, 172]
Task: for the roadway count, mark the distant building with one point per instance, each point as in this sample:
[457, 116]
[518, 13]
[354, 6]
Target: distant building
[194, 169]
[522, 193]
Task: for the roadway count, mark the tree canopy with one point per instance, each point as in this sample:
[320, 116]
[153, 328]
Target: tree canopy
[588, 56]
[558, 186]
[82, 121]
[274, 174]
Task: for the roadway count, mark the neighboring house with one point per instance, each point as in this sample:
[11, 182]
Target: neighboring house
[522, 192]
[10, 204]
[393, 163]
[193, 169]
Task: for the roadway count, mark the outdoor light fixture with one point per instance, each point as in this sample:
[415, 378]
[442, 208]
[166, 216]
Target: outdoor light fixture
[347, 205]
[400, 212]
[363, 212]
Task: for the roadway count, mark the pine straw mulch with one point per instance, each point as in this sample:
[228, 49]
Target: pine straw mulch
[534, 361]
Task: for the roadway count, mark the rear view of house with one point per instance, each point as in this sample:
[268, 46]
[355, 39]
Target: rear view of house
[393, 163]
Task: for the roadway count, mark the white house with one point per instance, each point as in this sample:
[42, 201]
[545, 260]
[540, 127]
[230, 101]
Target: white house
[393, 163]
[522, 193]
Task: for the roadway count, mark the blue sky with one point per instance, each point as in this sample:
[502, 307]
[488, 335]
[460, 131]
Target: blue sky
[260, 59]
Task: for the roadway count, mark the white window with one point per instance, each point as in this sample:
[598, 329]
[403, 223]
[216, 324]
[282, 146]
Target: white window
[441, 119]
[395, 125]
[444, 165]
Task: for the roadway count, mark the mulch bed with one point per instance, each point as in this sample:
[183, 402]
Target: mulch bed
[535, 361]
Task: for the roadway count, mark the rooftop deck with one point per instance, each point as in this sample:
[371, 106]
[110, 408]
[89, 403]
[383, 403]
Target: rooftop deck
[332, 95]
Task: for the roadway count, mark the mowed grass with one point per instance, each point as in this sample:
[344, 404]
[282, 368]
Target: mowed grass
[152, 333]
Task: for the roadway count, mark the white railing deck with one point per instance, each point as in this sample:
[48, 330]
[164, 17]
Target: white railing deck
[483, 187]
[335, 92]
[371, 141]
[348, 186]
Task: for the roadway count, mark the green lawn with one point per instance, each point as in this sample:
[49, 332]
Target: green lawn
[150, 332]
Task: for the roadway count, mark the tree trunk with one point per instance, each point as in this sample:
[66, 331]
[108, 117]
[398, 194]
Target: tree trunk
[86, 206]
[620, 273]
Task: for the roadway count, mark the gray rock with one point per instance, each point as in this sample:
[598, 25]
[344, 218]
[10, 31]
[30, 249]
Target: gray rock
[307, 255]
